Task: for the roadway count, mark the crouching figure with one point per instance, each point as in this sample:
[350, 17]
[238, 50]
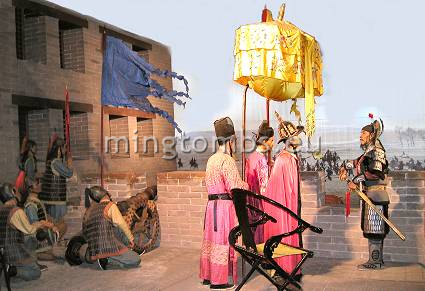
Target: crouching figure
[109, 239]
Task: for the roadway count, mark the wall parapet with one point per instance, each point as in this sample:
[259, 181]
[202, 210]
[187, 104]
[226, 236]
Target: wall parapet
[183, 198]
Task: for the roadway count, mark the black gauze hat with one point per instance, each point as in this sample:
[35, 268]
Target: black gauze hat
[265, 130]
[224, 127]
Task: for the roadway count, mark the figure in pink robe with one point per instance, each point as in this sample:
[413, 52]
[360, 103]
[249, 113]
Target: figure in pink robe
[257, 175]
[257, 172]
[218, 260]
[284, 187]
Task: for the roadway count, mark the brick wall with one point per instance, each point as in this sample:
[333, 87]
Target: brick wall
[41, 124]
[79, 136]
[345, 240]
[121, 187]
[38, 119]
[118, 127]
[146, 147]
[182, 197]
[182, 200]
[44, 77]
[35, 39]
[72, 49]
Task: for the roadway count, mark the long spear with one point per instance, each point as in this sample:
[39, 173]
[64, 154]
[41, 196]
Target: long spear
[371, 205]
[67, 124]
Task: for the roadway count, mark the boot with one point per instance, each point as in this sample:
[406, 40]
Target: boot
[375, 256]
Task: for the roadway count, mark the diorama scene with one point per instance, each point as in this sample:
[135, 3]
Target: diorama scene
[212, 145]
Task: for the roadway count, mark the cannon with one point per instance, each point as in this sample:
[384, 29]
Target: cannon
[140, 213]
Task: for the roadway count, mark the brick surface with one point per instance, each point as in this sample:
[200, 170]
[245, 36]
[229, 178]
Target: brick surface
[341, 238]
[57, 56]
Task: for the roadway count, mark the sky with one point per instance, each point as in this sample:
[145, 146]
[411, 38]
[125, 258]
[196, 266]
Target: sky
[373, 55]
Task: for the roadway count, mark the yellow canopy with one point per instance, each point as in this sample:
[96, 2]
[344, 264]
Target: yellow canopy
[280, 62]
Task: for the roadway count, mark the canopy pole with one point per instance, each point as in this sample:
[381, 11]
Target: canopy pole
[243, 150]
[269, 154]
[268, 111]
[244, 132]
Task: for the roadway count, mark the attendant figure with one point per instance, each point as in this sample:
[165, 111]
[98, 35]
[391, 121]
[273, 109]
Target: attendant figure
[284, 187]
[218, 260]
[257, 174]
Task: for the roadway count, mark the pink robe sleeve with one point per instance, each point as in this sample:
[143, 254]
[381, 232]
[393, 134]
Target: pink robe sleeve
[263, 175]
[231, 176]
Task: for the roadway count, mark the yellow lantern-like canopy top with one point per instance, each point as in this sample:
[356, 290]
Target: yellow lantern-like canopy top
[280, 62]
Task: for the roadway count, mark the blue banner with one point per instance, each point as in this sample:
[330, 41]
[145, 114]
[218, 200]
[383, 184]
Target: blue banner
[127, 82]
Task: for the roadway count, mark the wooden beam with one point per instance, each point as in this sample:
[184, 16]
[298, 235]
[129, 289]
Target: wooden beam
[121, 111]
[59, 12]
[44, 103]
[126, 37]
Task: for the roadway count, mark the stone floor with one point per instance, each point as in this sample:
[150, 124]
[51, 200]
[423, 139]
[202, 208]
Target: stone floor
[177, 269]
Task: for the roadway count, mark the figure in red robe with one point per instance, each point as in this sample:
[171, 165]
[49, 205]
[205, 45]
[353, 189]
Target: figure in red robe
[257, 174]
[284, 187]
[218, 260]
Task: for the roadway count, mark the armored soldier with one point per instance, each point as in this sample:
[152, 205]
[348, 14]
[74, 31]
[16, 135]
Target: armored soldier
[371, 170]
[53, 193]
[36, 211]
[14, 225]
[108, 235]
[27, 166]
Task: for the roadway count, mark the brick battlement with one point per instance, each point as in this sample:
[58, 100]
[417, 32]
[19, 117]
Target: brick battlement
[183, 197]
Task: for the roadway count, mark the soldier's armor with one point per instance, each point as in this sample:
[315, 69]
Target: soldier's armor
[373, 165]
[11, 239]
[53, 187]
[100, 232]
[46, 244]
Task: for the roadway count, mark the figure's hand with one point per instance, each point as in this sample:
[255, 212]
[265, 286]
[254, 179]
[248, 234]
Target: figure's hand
[56, 231]
[342, 174]
[70, 162]
[131, 244]
[352, 186]
[46, 224]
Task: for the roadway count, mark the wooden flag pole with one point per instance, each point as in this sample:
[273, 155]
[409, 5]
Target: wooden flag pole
[102, 146]
[67, 123]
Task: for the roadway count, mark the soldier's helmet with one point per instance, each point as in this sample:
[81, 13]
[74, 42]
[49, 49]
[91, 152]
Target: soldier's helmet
[96, 193]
